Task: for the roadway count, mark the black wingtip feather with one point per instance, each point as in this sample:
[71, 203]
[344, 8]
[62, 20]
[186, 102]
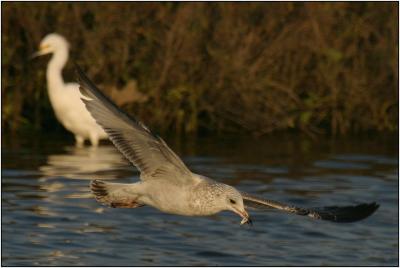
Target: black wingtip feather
[347, 213]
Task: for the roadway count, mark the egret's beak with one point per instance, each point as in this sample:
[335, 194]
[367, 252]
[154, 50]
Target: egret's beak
[245, 216]
[43, 50]
[37, 54]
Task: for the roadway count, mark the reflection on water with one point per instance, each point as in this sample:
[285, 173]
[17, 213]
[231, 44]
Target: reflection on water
[50, 218]
[84, 163]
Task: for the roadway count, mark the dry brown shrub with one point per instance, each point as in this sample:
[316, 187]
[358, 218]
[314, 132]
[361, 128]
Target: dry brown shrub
[255, 67]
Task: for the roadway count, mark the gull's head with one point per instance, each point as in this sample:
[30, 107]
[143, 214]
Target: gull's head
[233, 201]
[50, 44]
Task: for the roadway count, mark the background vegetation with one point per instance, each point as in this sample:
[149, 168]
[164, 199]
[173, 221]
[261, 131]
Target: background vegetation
[215, 67]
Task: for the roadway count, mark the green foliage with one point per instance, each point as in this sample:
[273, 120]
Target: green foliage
[220, 67]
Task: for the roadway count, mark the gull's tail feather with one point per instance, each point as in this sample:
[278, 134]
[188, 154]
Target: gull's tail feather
[114, 194]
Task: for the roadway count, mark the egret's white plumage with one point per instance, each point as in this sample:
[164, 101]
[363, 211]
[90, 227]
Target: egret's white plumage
[65, 98]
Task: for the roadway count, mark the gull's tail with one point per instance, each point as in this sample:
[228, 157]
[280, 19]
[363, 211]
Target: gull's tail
[115, 195]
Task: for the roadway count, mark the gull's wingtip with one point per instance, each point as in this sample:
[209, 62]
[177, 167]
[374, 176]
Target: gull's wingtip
[365, 210]
[78, 71]
[81, 77]
[373, 207]
[350, 213]
[85, 85]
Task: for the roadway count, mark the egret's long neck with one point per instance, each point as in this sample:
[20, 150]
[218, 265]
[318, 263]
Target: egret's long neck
[54, 70]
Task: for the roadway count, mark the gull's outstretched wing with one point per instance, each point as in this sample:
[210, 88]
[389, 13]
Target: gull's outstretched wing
[148, 152]
[331, 213]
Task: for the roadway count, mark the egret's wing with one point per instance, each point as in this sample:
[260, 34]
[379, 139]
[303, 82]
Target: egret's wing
[331, 213]
[148, 152]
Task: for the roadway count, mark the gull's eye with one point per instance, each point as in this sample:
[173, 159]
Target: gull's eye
[232, 201]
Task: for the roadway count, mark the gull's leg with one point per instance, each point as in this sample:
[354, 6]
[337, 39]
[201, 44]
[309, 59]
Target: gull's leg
[79, 141]
[94, 139]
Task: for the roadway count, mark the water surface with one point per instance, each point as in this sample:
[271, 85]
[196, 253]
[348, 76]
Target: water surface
[50, 218]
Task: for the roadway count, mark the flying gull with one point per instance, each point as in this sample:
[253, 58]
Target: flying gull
[168, 185]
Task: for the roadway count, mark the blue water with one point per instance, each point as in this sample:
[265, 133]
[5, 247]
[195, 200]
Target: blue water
[50, 218]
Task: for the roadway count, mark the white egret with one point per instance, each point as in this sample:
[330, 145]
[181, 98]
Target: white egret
[65, 98]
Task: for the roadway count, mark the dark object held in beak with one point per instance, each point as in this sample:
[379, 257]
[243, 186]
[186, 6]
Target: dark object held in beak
[247, 221]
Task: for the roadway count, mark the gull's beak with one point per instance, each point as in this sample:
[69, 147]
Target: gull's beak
[245, 216]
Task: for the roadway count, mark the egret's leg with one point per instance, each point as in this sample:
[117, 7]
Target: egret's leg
[94, 139]
[79, 141]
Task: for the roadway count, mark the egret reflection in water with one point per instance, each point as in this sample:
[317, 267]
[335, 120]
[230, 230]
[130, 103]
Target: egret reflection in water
[84, 163]
[57, 176]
